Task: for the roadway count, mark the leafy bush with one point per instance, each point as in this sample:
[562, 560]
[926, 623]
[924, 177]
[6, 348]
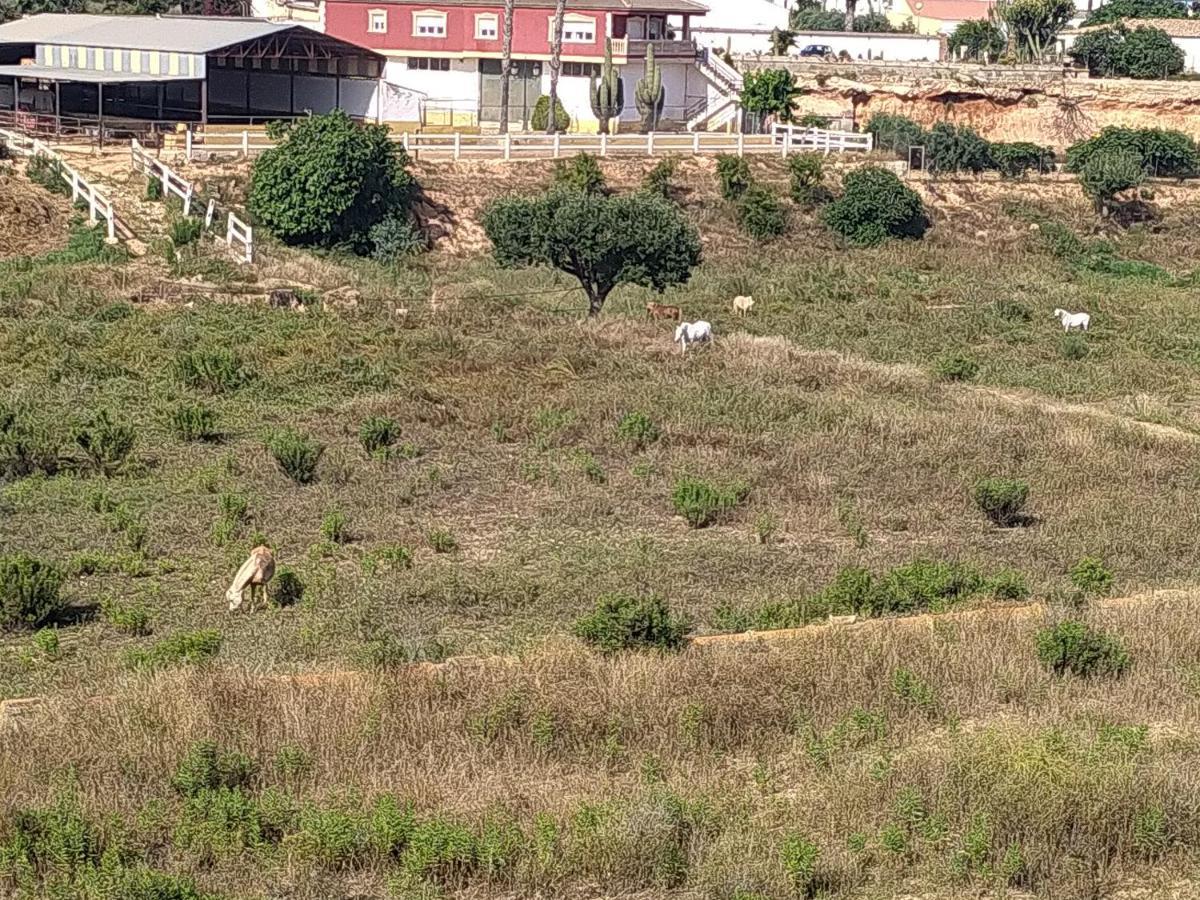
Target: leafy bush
[760, 213]
[951, 148]
[733, 173]
[800, 857]
[638, 429]
[1163, 153]
[895, 133]
[194, 422]
[442, 540]
[218, 822]
[702, 503]
[185, 231]
[580, 173]
[354, 176]
[977, 37]
[807, 172]
[1116, 10]
[296, 454]
[1013, 160]
[1074, 647]
[206, 767]
[181, 647]
[539, 120]
[956, 367]
[623, 622]
[874, 206]
[1144, 52]
[27, 444]
[154, 189]
[395, 238]
[29, 592]
[770, 92]
[48, 172]
[1002, 499]
[1074, 347]
[602, 241]
[1108, 173]
[211, 370]
[106, 444]
[129, 618]
[439, 851]
[1091, 577]
[658, 179]
[288, 588]
[1034, 24]
[377, 434]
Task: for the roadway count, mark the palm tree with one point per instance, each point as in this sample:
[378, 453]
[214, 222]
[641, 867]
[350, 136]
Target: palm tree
[560, 8]
[851, 8]
[506, 64]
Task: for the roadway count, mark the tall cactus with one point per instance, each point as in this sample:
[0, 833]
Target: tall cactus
[608, 94]
[649, 95]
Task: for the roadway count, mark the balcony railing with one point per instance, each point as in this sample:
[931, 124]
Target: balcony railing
[633, 48]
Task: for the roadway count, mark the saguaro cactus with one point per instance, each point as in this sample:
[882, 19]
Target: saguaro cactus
[608, 93]
[649, 95]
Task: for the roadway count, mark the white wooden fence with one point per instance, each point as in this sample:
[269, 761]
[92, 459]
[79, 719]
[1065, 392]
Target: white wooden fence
[457, 146]
[239, 231]
[797, 139]
[99, 206]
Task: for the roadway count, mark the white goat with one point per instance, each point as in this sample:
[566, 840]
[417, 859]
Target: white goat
[1073, 320]
[692, 333]
[742, 305]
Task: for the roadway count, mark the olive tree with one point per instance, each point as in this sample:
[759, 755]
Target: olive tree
[602, 241]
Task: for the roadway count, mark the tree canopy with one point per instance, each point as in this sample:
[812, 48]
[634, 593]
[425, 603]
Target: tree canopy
[770, 92]
[1116, 10]
[976, 37]
[603, 241]
[1034, 24]
[1143, 52]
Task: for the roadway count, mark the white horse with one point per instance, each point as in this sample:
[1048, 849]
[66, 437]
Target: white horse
[1073, 320]
[692, 333]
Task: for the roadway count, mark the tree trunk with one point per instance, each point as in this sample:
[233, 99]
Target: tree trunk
[595, 300]
[505, 65]
[560, 9]
[851, 8]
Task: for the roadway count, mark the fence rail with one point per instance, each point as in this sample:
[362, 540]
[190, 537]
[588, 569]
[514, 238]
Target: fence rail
[239, 231]
[99, 206]
[456, 146]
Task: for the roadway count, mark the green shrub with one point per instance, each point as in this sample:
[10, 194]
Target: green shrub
[1014, 160]
[330, 837]
[180, 648]
[733, 173]
[1074, 346]
[1091, 577]
[354, 176]
[1002, 499]
[800, 857]
[1144, 52]
[623, 622]
[874, 206]
[895, 133]
[296, 454]
[206, 767]
[29, 592]
[194, 422]
[914, 690]
[1106, 174]
[956, 148]
[48, 172]
[154, 189]
[925, 585]
[760, 213]
[980, 38]
[377, 434]
[1116, 10]
[769, 92]
[442, 540]
[1074, 647]
[1162, 153]
[185, 231]
[288, 588]
[211, 370]
[335, 527]
[956, 367]
[580, 173]
[390, 826]
[292, 761]
[129, 618]
[637, 429]
[658, 179]
[27, 445]
[46, 640]
[702, 503]
[395, 238]
[539, 119]
[106, 444]
[807, 174]
[439, 851]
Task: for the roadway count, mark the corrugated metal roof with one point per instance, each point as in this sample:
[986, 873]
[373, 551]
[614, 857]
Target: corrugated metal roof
[88, 76]
[181, 34]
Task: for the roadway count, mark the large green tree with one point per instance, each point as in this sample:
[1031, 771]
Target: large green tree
[976, 38]
[329, 181]
[602, 241]
[1117, 10]
[770, 92]
[809, 15]
[1034, 24]
[1143, 52]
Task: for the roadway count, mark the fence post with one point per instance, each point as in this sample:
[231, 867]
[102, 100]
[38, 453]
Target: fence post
[208, 214]
[91, 204]
[404, 141]
[246, 144]
[187, 200]
[457, 145]
[74, 179]
[741, 143]
[557, 144]
[649, 143]
[507, 146]
[787, 142]
[604, 144]
[695, 143]
[188, 143]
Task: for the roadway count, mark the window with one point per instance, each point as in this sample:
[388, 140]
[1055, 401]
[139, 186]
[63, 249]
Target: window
[486, 27]
[581, 70]
[377, 21]
[576, 29]
[429, 24]
[429, 64]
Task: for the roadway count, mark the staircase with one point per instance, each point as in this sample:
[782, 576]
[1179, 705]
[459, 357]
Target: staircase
[723, 104]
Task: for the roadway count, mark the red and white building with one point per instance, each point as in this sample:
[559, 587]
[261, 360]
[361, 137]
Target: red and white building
[448, 53]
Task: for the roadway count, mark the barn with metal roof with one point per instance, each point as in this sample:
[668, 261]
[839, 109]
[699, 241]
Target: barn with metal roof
[112, 69]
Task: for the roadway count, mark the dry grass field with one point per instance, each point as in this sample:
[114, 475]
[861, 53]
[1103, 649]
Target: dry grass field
[306, 756]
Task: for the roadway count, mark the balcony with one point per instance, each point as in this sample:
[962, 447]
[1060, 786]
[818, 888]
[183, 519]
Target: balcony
[632, 48]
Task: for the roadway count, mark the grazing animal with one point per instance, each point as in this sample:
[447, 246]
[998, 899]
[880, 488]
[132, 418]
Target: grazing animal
[742, 305]
[692, 333]
[1073, 320]
[256, 571]
[663, 311]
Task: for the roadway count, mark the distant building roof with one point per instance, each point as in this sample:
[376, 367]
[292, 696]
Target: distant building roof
[86, 76]
[181, 34]
[949, 10]
[1173, 27]
[634, 6]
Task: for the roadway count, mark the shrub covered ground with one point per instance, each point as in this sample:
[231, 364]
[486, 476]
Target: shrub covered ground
[477, 475]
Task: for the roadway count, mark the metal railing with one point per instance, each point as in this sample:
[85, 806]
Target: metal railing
[92, 129]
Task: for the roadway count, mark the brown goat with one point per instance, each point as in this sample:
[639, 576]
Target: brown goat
[662, 311]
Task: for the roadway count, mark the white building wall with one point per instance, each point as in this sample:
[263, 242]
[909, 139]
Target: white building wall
[734, 40]
[683, 85]
[860, 45]
[456, 90]
[575, 95]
